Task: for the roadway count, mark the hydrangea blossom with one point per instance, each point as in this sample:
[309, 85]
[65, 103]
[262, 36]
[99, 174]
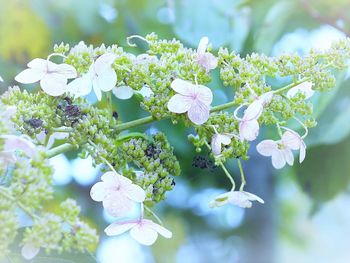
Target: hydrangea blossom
[117, 193]
[191, 98]
[248, 125]
[53, 77]
[304, 88]
[126, 92]
[13, 143]
[29, 251]
[239, 198]
[143, 231]
[218, 140]
[100, 77]
[281, 151]
[207, 60]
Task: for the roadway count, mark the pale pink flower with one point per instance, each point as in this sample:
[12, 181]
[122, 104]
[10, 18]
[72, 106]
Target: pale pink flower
[143, 231]
[248, 125]
[304, 88]
[100, 77]
[207, 60]
[29, 251]
[281, 151]
[13, 143]
[117, 193]
[191, 98]
[239, 198]
[53, 77]
[218, 140]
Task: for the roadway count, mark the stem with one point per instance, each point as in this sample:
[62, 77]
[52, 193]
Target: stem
[292, 85]
[227, 173]
[60, 149]
[110, 104]
[243, 181]
[154, 215]
[62, 129]
[133, 135]
[135, 123]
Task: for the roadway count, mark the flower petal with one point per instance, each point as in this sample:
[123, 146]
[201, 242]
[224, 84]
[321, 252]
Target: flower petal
[117, 204]
[249, 130]
[216, 144]
[81, 86]
[135, 193]
[267, 147]
[110, 178]
[96, 89]
[29, 251]
[253, 111]
[1, 79]
[278, 159]
[305, 88]
[253, 197]
[291, 140]
[29, 75]
[198, 113]
[204, 94]
[183, 87]
[107, 80]
[123, 92]
[288, 156]
[143, 234]
[68, 71]
[203, 45]
[13, 143]
[39, 63]
[160, 229]
[145, 91]
[54, 84]
[239, 198]
[98, 191]
[103, 63]
[179, 103]
[118, 228]
[220, 200]
[207, 61]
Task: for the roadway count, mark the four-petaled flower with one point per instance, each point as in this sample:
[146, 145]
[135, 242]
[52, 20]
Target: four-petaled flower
[220, 139]
[304, 88]
[239, 198]
[143, 231]
[100, 77]
[207, 60]
[126, 92]
[281, 151]
[117, 193]
[191, 98]
[248, 125]
[53, 77]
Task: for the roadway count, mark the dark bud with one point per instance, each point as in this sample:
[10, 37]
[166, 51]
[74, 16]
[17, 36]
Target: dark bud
[72, 111]
[35, 123]
[173, 182]
[152, 151]
[68, 100]
[115, 115]
[203, 162]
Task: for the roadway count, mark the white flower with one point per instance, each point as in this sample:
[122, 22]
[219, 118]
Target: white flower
[249, 126]
[13, 143]
[100, 77]
[81, 48]
[239, 198]
[143, 231]
[126, 92]
[207, 60]
[193, 99]
[117, 193]
[304, 88]
[1, 79]
[218, 140]
[53, 77]
[29, 251]
[281, 151]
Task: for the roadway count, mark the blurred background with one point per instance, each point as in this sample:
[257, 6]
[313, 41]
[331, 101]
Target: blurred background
[306, 216]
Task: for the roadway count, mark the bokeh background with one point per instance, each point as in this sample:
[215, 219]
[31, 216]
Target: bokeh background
[306, 217]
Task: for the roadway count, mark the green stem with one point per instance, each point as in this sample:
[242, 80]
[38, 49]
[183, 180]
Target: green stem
[133, 135]
[243, 181]
[62, 129]
[135, 123]
[154, 215]
[227, 173]
[291, 85]
[60, 149]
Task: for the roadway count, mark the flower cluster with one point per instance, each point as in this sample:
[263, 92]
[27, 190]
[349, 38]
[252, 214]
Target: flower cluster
[169, 81]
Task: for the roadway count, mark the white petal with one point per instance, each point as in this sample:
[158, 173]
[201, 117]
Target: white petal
[143, 234]
[1, 79]
[29, 251]
[98, 191]
[253, 111]
[110, 178]
[28, 76]
[288, 156]
[266, 98]
[96, 89]
[204, 94]
[198, 113]
[278, 159]
[253, 197]
[119, 228]
[239, 198]
[305, 88]
[13, 143]
[145, 91]
[183, 87]
[68, 71]
[249, 130]
[220, 200]
[135, 193]
[207, 61]
[179, 103]
[117, 204]
[160, 229]
[123, 92]
[54, 84]
[104, 63]
[81, 86]
[267, 147]
[216, 144]
[39, 63]
[302, 152]
[225, 139]
[291, 140]
[203, 45]
[107, 80]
